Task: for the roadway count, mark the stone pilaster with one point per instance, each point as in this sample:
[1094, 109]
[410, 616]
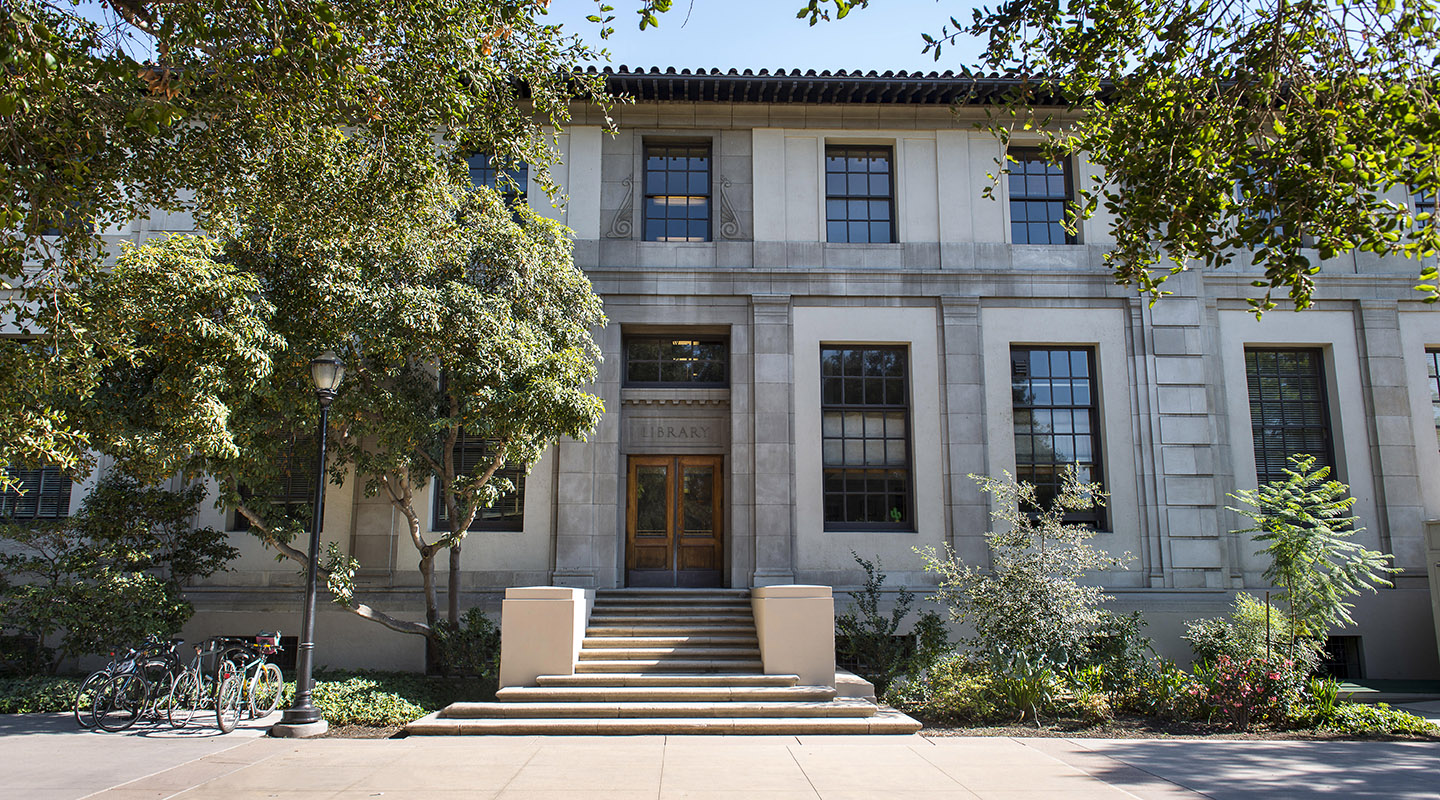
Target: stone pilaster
[1193, 553]
[967, 514]
[587, 488]
[1400, 513]
[774, 464]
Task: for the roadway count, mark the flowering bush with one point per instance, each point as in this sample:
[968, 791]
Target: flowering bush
[1245, 690]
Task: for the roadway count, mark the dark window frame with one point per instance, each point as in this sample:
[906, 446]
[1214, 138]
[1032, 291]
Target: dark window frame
[831, 525]
[50, 485]
[1024, 470]
[1261, 430]
[512, 520]
[1019, 169]
[868, 151]
[1423, 202]
[1432, 368]
[664, 151]
[670, 341]
[512, 183]
[297, 490]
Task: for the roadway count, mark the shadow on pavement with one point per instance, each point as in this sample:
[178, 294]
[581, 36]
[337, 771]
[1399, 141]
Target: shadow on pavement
[201, 727]
[1253, 770]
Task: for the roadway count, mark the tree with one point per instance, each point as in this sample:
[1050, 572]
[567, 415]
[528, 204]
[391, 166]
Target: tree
[110, 111]
[456, 313]
[110, 576]
[1302, 521]
[1223, 126]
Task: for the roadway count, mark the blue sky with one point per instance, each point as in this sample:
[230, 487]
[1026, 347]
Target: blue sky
[765, 34]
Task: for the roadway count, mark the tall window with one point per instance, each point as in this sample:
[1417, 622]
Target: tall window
[513, 183]
[677, 361]
[1432, 365]
[1039, 193]
[1057, 421]
[293, 492]
[859, 194]
[42, 493]
[677, 193]
[472, 457]
[1289, 414]
[865, 437]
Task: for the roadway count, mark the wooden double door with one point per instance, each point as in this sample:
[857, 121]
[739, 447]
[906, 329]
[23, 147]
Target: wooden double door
[674, 521]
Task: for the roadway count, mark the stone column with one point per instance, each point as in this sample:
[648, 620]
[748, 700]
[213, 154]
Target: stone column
[774, 466]
[967, 513]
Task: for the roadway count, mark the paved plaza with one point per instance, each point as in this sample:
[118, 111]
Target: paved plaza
[45, 758]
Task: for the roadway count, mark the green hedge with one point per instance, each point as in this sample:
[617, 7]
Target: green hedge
[379, 699]
[37, 693]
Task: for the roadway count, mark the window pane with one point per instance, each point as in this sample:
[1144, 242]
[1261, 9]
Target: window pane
[1053, 395]
[1288, 409]
[864, 440]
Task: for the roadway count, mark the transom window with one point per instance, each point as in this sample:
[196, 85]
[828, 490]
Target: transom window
[511, 182]
[1057, 421]
[1289, 414]
[865, 437]
[42, 493]
[1039, 194]
[1432, 365]
[677, 361]
[859, 194]
[677, 193]
[472, 457]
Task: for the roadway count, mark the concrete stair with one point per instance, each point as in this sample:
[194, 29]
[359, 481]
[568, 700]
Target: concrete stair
[669, 661]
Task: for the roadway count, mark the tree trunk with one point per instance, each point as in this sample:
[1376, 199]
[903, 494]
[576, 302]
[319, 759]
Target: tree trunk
[427, 579]
[453, 597]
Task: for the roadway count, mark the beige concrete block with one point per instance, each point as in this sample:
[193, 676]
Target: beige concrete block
[795, 626]
[541, 635]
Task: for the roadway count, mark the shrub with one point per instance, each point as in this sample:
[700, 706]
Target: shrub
[869, 640]
[1364, 718]
[1245, 691]
[1163, 691]
[35, 694]
[1030, 600]
[1250, 634]
[362, 701]
[472, 649]
[954, 689]
[1026, 683]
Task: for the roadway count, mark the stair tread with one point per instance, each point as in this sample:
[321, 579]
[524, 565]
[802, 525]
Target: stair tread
[885, 722]
[666, 641]
[839, 707]
[615, 679]
[666, 665]
[580, 694]
[686, 651]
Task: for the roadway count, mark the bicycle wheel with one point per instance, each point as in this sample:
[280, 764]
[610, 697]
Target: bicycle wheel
[265, 690]
[184, 699]
[85, 698]
[227, 703]
[160, 693]
[120, 701]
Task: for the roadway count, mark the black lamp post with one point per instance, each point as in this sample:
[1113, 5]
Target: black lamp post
[302, 718]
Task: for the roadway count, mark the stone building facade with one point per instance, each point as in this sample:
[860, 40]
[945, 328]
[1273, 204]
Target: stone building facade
[818, 328]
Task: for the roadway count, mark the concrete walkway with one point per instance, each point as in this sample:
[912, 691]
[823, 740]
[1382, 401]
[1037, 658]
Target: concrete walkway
[41, 758]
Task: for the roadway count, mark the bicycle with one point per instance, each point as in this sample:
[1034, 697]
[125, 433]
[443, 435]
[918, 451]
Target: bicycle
[140, 684]
[261, 680]
[85, 696]
[224, 688]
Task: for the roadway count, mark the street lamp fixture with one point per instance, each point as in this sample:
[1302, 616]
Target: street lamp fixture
[302, 718]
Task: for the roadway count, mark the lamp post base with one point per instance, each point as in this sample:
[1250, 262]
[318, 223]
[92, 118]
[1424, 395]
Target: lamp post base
[304, 730]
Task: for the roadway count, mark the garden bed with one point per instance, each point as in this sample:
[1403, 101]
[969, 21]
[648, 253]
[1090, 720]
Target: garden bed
[1150, 728]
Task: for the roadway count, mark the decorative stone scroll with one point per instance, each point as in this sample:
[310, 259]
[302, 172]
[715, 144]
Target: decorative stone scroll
[621, 225]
